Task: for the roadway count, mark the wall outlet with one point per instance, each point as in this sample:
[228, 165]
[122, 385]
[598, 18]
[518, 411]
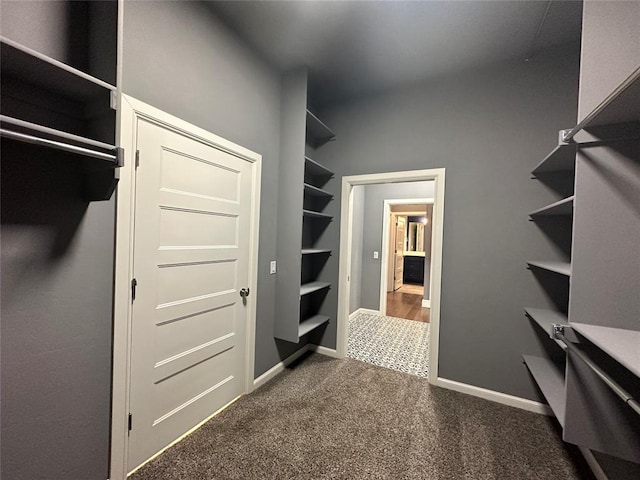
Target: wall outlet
[272, 267]
[375, 255]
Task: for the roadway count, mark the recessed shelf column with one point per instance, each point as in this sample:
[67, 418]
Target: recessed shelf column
[307, 275]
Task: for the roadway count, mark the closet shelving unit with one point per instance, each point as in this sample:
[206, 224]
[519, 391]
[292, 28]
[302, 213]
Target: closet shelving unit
[575, 394]
[315, 199]
[58, 68]
[303, 284]
[50, 104]
[548, 373]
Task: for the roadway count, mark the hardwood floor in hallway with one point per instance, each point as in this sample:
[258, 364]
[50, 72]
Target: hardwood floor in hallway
[406, 305]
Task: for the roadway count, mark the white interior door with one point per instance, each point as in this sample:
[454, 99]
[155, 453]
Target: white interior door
[401, 225]
[191, 249]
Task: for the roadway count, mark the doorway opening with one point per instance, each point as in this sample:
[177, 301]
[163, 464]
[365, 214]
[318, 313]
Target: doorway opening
[405, 276]
[372, 304]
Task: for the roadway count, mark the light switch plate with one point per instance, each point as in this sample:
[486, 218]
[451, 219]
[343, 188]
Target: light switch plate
[375, 254]
[272, 267]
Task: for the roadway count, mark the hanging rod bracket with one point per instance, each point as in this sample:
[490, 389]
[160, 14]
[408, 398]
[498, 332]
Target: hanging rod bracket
[559, 329]
[119, 153]
[563, 138]
[600, 135]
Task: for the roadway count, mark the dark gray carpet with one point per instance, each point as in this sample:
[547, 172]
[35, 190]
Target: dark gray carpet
[344, 419]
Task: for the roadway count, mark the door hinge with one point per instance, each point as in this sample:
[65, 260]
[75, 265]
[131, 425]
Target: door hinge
[129, 422]
[137, 158]
[134, 284]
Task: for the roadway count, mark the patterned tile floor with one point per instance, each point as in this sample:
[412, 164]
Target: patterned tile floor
[394, 343]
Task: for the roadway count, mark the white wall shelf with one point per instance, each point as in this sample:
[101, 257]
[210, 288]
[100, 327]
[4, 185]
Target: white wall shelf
[550, 379]
[561, 207]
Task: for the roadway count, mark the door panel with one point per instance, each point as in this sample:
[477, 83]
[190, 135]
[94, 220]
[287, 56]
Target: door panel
[399, 251]
[192, 229]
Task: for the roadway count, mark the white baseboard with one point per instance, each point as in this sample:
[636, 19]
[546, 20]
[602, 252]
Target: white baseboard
[593, 464]
[426, 303]
[492, 395]
[329, 352]
[366, 311]
[279, 367]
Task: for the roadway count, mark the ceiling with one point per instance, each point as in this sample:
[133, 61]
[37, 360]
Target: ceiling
[358, 47]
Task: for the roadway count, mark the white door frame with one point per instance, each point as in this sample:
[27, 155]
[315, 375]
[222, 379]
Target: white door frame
[130, 111]
[386, 214]
[346, 227]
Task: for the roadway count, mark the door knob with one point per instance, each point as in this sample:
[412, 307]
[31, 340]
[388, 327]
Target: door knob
[244, 292]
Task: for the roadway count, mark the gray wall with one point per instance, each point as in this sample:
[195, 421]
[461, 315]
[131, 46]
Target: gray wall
[357, 232]
[56, 318]
[488, 128]
[181, 59]
[375, 195]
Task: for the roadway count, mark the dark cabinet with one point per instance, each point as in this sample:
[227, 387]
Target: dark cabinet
[413, 270]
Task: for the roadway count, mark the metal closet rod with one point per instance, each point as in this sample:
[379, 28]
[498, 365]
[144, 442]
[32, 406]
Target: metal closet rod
[58, 145]
[610, 382]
